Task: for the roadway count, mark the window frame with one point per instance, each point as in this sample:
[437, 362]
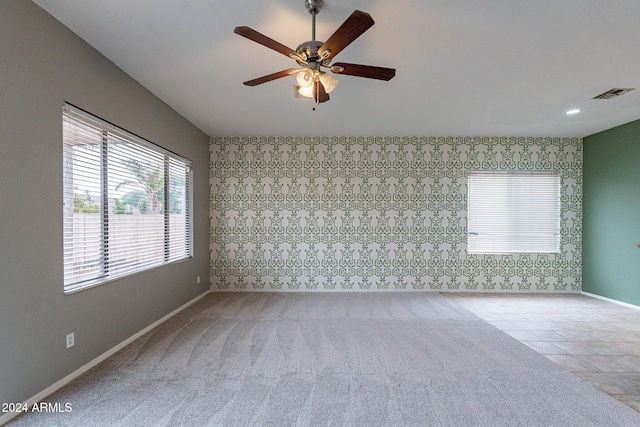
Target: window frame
[169, 159]
[510, 243]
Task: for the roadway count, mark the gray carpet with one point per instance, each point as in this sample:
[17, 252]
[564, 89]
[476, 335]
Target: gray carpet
[357, 359]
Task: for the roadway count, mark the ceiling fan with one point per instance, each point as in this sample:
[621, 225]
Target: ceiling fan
[314, 56]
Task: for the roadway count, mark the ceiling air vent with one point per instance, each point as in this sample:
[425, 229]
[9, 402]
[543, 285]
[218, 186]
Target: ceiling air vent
[612, 93]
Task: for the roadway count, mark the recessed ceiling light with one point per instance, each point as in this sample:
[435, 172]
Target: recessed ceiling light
[572, 112]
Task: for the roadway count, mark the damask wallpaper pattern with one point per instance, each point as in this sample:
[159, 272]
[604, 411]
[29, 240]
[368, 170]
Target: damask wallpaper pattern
[376, 213]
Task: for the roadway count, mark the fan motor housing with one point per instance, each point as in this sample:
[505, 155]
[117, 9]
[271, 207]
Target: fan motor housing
[310, 51]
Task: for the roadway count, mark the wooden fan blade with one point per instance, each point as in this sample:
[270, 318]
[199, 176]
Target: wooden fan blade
[351, 29]
[268, 78]
[319, 94]
[367, 71]
[257, 37]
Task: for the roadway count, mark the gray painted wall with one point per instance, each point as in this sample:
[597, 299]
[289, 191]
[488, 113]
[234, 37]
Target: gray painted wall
[42, 65]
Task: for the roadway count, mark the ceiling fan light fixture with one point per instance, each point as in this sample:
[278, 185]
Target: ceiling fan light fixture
[328, 81]
[306, 91]
[314, 55]
[305, 78]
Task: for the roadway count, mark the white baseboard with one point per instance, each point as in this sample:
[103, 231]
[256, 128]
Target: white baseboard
[75, 374]
[615, 301]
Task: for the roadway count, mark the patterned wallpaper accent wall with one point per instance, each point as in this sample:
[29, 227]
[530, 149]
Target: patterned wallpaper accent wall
[376, 213]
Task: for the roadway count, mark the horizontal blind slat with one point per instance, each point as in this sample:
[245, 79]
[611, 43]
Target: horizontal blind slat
[125, 232]
[513, 211]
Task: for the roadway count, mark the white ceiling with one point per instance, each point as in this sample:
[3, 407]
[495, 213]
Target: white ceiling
[464, 67]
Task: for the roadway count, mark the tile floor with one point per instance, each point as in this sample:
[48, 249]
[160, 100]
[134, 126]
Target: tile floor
[597, 340]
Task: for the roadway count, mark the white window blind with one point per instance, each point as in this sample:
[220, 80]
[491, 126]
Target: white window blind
[513, 211]
[127, 202]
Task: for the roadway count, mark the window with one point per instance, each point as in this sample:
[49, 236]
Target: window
[127, 202]
[510, 212]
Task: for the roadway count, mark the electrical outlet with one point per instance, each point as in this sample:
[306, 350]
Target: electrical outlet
[198, 279]
[71, 340]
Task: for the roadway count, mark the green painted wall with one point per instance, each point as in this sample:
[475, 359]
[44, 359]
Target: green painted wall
[611, 213]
